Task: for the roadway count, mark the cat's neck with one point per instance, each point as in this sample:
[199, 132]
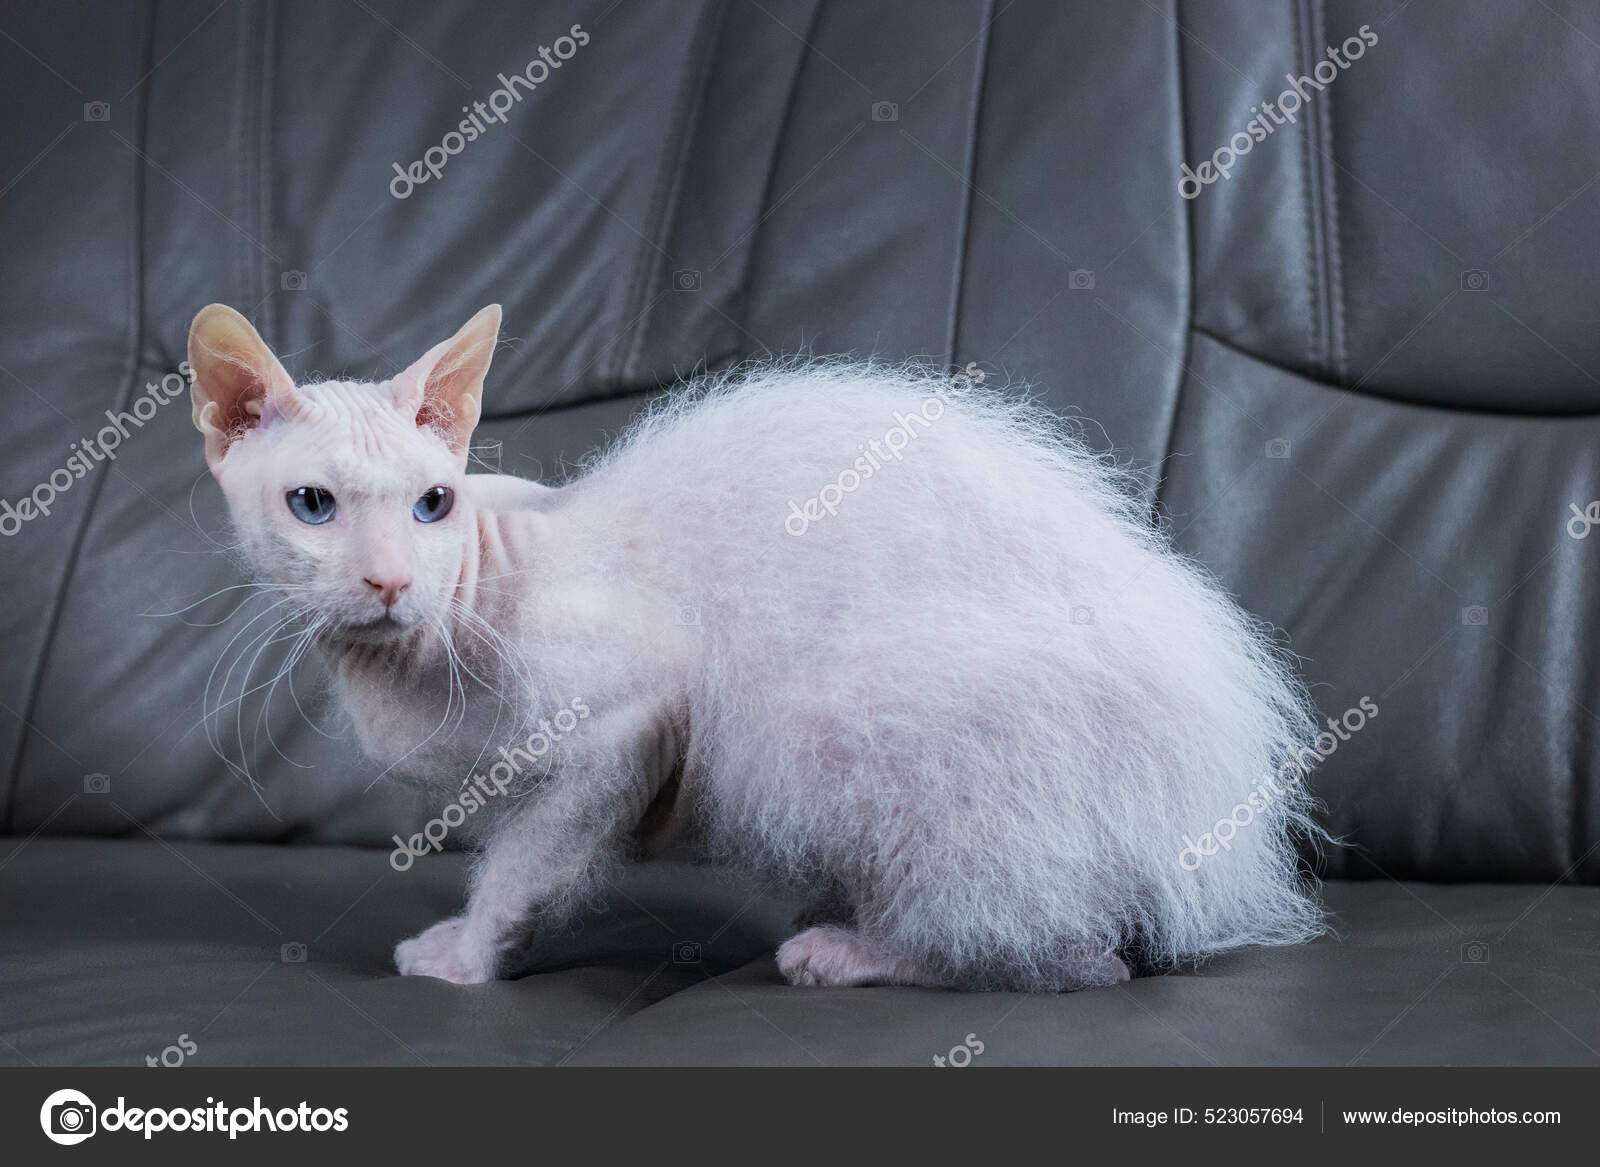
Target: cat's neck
[499, 565]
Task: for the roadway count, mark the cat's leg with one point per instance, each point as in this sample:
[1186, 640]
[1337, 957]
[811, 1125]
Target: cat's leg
[832, 955]
[545, 859]
[537, 869]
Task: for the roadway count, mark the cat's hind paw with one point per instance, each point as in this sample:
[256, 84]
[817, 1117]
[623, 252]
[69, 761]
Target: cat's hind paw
[445, 951]
[831, 955]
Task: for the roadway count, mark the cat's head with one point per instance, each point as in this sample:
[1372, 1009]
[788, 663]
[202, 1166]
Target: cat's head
[348, 496]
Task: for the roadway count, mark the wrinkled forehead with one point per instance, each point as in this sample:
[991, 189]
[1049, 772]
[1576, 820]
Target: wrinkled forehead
[352, 434]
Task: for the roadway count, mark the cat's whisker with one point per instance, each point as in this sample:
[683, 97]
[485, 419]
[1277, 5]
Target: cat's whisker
[487, 641]
[209, 716]
[255, 588]
[456, 665]
[522, 687]
[463, 668]
[263, 718]
[495, 732]
[501, 592]
[310, 639]
[257, 643]
[504, 575]
[211, 678]
[260, 644]
[498, 645]
[449, 699]
[508, 653]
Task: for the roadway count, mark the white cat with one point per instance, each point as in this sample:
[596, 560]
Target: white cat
[904, 641]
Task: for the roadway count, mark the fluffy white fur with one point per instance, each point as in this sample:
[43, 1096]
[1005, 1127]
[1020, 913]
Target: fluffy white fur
[976, 711]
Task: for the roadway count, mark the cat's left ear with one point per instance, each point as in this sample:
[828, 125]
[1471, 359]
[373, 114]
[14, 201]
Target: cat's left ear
[444, 390]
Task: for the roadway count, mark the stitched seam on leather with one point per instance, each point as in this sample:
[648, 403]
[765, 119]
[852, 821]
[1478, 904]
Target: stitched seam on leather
[785, 120]
[1180, 374]
[252, 261]
[1311, 378]
[1309, 203]
[240, 257]
[1305, 51]
[263, 140]
[1331, 235]
[669, 182]
[130, 381]
[980, 74]
[1321, 206]
[250, 173]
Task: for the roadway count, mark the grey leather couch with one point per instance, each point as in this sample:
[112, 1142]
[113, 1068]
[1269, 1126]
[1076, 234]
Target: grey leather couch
[1363, 367]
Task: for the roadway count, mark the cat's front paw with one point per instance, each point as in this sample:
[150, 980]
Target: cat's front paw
[447, 951]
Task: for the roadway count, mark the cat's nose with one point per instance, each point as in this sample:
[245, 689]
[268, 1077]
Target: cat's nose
[387, 586]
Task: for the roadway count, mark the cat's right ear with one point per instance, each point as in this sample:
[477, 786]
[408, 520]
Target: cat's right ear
[237, 381]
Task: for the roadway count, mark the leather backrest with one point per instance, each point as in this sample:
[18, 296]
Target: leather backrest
[1361, 366]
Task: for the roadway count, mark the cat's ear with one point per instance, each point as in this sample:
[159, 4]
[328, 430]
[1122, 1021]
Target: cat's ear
[444, 390]
[237, 381]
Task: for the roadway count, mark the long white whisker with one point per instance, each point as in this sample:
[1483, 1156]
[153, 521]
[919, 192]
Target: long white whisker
[508, 654]
[205, 714]
[244, 681]
[306, 646]
[390, 767]
[453, 660]
[230, 588]
[512, 662]
[263, 718]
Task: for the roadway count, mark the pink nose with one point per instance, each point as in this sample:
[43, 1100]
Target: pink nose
[387, 586]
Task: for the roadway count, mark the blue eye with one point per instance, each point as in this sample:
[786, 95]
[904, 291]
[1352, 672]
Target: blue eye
[434, 504]
[311, 504]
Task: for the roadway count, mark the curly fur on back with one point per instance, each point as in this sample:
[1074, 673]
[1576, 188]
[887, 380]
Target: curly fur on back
[983, 695]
